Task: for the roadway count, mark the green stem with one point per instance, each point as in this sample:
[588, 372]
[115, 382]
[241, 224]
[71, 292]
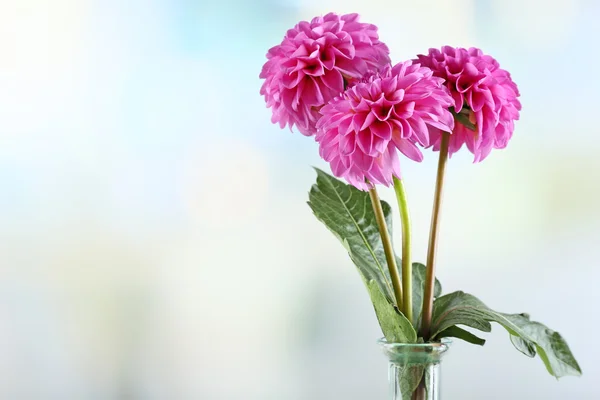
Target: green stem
[387, 246]
[406, 259]
[433, 235]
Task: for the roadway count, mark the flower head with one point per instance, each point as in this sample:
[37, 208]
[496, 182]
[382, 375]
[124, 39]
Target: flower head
[482, 92]
[314, 63]
[361, 130]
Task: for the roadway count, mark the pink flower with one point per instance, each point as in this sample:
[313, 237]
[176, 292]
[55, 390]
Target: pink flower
[483, 93]
[314, 63]
[361, 130]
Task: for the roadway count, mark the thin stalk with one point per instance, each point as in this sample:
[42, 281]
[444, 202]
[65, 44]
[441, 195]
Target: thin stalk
[420, 392]
[387, 246]
[433, 235]
[406, 259]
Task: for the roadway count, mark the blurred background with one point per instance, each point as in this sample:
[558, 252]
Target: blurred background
[155, 242]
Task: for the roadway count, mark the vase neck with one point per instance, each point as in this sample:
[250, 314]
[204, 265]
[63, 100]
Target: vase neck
[414, 369]
[414, 381]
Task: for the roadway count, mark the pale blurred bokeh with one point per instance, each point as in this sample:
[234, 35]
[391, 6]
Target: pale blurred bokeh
[155, 242]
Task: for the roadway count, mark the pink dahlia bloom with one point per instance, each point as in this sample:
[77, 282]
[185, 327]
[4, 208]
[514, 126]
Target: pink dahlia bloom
[314, 63]
[483, 93]
[361, 130]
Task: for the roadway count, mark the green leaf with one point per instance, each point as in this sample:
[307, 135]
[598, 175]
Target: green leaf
[455, 331]
[524, 346]
[550, 345]
[395, 326]
[410, 376]
[460, 308]
[348, 213]
[418, 286]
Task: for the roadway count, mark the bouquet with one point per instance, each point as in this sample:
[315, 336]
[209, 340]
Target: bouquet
[332, 79]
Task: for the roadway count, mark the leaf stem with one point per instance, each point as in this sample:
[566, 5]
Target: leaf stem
[387, 245]
[406, 258]
[433, 235]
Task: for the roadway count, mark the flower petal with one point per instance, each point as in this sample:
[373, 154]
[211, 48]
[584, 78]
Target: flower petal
[409, 149]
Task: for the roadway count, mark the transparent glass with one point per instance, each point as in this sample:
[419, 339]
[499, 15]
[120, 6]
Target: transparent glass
[414, 369]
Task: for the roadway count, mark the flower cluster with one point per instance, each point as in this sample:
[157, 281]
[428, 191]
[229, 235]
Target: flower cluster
[482, 91]
[331, 78]
[361, 130]
[314, 63]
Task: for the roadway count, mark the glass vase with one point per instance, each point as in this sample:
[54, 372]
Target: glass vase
[414, 369]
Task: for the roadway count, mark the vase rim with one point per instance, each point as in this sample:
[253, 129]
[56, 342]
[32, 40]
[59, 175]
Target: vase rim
[440, 346]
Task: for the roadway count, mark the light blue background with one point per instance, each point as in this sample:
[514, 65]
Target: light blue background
[154, 237]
